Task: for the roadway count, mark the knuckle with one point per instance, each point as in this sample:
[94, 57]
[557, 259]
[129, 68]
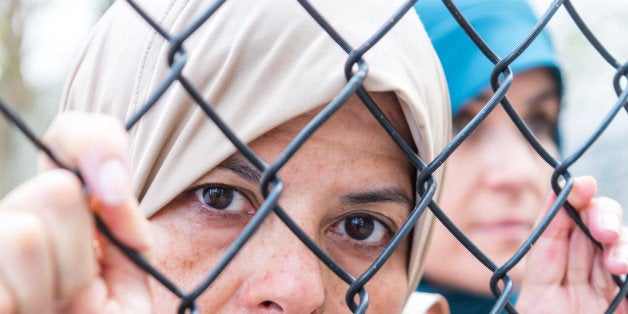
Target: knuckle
[96, 123]
[25, 235]
[24, 256]
[78, 133]
[46, 189]
[54, 193]
[60, 188]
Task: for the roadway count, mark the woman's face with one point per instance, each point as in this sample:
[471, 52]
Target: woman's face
[495, 185]
[349, 188]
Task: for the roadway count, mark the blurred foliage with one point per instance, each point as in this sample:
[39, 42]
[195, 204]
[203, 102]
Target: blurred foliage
[17, 156]
[12, 85]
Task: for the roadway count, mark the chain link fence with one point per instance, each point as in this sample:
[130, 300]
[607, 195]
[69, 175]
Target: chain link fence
[357, 295]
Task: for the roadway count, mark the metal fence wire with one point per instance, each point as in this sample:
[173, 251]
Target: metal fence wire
[270, 184]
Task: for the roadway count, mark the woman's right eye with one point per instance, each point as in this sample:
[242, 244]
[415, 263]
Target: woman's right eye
[223, 198]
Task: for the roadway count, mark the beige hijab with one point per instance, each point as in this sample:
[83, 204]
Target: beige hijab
[259, 64]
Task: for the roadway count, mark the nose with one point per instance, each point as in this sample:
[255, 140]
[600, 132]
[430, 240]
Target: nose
[509, 161]
[286, 277]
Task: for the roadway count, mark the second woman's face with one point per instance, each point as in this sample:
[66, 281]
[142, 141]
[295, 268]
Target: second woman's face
[349, 188]
[495, 185]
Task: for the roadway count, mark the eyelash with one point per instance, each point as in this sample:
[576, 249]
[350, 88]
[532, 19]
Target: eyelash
[459, 121]
[542, 125]
[367, 248]
[228, 216]
[241, 217]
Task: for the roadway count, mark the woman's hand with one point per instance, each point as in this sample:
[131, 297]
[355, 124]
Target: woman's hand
[565, 272]
[51, 259]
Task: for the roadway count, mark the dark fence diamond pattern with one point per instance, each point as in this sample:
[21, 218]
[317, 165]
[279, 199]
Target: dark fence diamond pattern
[355, 72]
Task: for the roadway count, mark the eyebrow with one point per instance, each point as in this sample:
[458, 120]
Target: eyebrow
[539, 99]
[242, 167]
[535, 101]
[384, 195]
[483, 97]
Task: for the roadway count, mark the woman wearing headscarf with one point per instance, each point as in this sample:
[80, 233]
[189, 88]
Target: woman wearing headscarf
[496, 184]
[267, 69]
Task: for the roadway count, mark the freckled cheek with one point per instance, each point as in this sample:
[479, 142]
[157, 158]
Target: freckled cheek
[388, 287]
[186, 255]
[186, 258]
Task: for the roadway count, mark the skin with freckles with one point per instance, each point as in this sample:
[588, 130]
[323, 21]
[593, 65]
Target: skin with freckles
[49, 262]
[350, 211]
[53, 261]
[495, 185]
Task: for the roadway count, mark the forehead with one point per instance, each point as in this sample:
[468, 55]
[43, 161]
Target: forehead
[350, 143]
[353, 118]
[531, 90]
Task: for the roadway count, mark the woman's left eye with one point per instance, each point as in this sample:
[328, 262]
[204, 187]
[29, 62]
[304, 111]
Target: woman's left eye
[363, 228]
[222, 198]
[543, 126]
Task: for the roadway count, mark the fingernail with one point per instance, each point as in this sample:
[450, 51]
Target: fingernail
[621, 253]
[610, 222]
[114, 182]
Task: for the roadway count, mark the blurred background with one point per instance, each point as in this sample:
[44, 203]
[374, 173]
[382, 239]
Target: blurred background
[40, 39]
[39, 42]
[589, 90]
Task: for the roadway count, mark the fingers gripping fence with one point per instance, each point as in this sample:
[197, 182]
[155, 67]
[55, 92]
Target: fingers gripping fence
[356, 70]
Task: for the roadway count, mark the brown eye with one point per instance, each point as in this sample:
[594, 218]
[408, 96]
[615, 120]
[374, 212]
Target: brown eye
[217, 197]
[362, 228]
[221, 198]
[359, 227]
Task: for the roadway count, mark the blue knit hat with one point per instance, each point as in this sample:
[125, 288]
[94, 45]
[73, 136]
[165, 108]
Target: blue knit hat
[502, 24]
